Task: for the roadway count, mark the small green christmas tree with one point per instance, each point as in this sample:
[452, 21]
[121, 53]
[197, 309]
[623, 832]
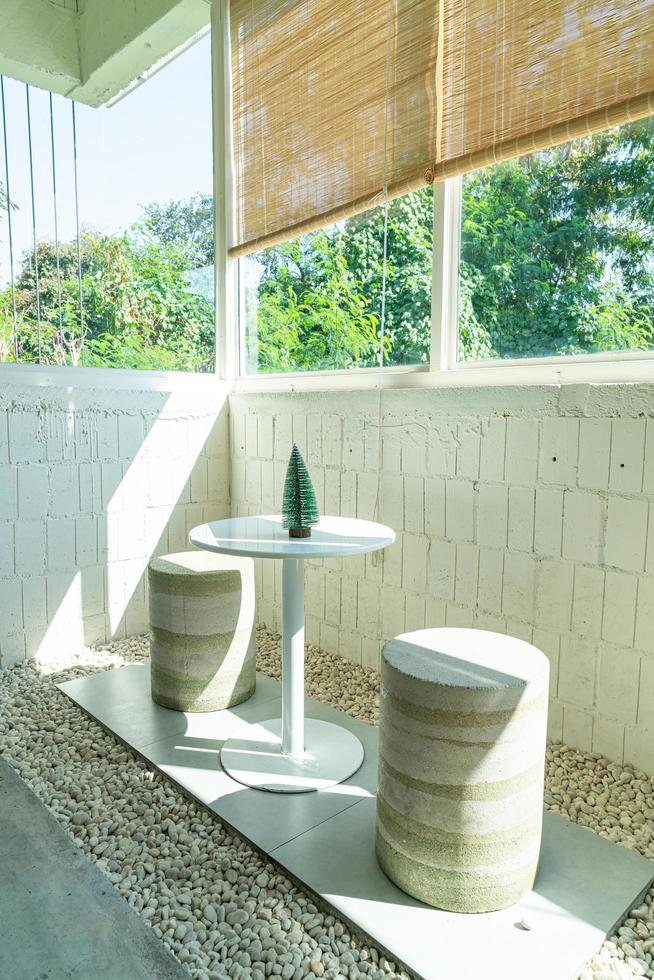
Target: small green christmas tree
[299, 507]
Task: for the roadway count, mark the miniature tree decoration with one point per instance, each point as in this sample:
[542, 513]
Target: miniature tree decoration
[299, 507]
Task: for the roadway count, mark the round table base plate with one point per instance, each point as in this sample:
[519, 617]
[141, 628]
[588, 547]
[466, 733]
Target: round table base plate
[331, 755]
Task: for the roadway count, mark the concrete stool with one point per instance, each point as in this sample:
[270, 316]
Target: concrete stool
[463, 720]
[202, 652]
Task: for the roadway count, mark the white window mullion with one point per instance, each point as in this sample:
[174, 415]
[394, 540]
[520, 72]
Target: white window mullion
[225, 268]
[437, 359]
[445, 274]
[453, 190]
[239, 326]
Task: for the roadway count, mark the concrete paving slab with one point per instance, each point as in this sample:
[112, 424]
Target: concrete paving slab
[121, 700]
[193, 762]
[325, 840]
[61, 918]
[188, 751]
[584, 885]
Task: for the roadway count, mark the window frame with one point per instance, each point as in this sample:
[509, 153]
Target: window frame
[443, 369]
[105, 378]
[69, 376]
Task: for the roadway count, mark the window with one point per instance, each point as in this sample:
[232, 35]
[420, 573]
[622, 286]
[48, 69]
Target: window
[314, 304]
[545, 256]
[106, 225]
[557, 251]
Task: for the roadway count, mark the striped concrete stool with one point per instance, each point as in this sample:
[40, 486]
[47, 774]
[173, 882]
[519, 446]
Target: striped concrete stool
[202, 654]
[461, 760]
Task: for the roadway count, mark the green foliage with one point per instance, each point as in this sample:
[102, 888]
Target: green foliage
[409, 239]
[299, 506]
[556, 249]
[187, 225]
[138, 309]
[318, 301]
[557, 257]
[311, 313]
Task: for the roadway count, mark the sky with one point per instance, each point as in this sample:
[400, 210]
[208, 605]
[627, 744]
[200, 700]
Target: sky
[152, 146]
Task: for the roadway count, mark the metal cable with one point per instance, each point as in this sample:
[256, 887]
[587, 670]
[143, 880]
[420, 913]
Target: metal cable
[9, 207]
[36, 258]
[56, 222]
[79, 251]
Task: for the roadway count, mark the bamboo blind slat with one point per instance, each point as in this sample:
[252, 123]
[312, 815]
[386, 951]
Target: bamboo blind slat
[338, 104]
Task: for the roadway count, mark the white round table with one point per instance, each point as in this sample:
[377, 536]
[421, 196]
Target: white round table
[289, 755]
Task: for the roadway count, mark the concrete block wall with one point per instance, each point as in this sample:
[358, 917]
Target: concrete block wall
[527, 510]
[92, 483]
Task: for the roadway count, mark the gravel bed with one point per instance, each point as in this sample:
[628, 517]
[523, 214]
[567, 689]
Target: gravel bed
[221, 908]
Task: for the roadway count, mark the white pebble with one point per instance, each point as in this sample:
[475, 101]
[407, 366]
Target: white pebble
[217, 905]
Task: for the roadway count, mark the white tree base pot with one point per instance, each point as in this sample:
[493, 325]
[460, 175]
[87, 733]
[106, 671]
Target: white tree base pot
[331, 755]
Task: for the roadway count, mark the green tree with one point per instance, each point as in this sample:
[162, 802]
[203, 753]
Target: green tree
[187, 225]
[138, 310]
[556, 258]
[310, 312]
[299, 506]
[556, 249]
[143, 314]
[6, 315]
[409, 237]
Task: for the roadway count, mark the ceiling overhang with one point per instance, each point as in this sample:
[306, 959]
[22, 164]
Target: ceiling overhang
[95, 51]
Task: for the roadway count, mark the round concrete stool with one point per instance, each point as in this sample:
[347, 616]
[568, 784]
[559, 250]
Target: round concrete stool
[461, 762]
[202, 653]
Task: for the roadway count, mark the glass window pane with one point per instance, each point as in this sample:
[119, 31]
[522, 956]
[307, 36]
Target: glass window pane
[146, 245]
[315, 303]
[557, 252]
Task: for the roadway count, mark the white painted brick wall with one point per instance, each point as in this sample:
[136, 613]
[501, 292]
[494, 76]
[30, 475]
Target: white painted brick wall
[92, 484]
[529, 511]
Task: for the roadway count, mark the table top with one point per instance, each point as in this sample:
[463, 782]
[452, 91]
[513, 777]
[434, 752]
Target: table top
[264, 537]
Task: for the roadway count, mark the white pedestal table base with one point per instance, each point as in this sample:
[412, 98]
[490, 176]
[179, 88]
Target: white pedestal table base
[286, 755]
[331, 754]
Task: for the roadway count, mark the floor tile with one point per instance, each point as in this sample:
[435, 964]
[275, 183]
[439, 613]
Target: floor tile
[120, 699]
[192, 759]
[584, 885]
[326, 839]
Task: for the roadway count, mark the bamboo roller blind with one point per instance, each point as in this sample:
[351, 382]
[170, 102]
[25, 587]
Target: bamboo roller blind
[338, 104]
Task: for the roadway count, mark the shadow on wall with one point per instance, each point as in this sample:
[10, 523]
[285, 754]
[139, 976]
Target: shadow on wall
[93, 482]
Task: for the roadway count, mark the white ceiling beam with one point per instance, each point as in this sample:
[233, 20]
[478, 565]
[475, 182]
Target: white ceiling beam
[39, 44]
[97, 51]
[124, 42]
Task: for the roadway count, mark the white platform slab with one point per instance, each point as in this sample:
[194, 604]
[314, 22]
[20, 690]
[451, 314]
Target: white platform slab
[585, 884]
